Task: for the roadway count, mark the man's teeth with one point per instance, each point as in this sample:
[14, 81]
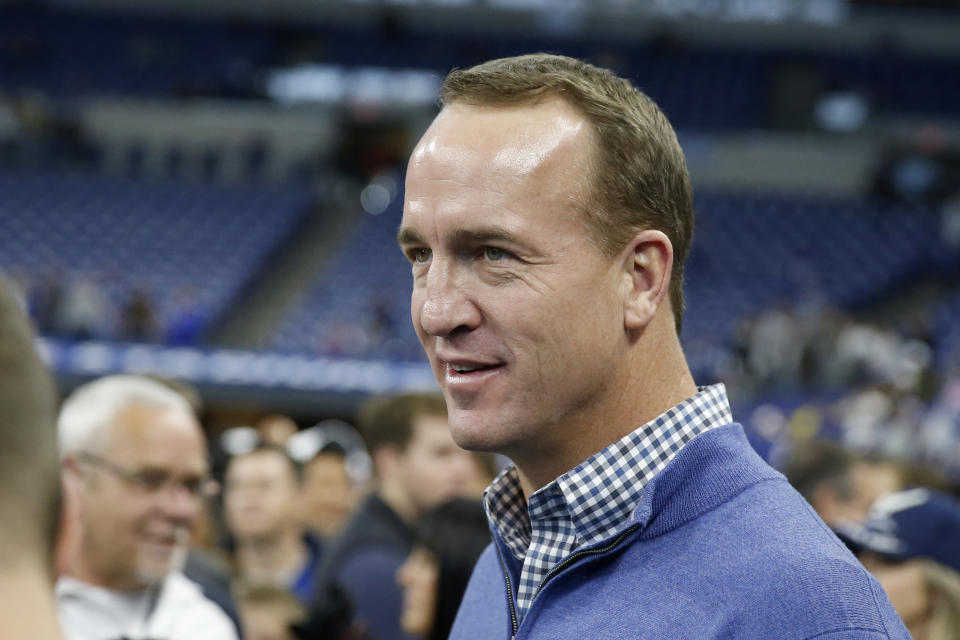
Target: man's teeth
[462, 368]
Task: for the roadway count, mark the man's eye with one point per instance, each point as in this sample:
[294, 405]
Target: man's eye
[420, 255]
[494, 254]
[150, 480]
[194, 486]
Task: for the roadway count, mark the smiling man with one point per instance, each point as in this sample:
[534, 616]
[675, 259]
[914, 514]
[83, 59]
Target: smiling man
[135, 457]
[547, 219]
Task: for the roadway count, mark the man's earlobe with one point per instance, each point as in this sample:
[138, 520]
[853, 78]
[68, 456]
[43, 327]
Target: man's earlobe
[648, 263]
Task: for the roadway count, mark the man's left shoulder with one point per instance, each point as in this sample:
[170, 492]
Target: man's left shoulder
[782, 557]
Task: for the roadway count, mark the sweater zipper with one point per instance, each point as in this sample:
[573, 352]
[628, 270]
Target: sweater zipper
[573, 557]
[513, 608]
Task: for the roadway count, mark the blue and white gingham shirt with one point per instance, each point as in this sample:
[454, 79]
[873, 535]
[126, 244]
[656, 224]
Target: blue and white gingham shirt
[596, 498]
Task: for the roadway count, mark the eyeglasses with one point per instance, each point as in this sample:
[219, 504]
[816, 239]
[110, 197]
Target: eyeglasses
[153, 481]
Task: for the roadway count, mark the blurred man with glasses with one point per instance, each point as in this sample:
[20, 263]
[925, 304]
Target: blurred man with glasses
[135, 456]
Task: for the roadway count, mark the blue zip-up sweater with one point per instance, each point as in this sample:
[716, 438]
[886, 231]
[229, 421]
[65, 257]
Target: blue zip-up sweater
[720, 546]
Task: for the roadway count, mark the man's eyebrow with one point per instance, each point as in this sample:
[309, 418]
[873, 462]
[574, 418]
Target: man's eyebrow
[406, 235]
[486, 234]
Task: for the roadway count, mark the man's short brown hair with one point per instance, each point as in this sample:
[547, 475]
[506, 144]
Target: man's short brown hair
[640, 172]
[388, 420]
[29, 465]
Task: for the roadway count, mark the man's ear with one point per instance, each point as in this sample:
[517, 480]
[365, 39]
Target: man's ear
[70, 472]
[647, 264]
[69, 531]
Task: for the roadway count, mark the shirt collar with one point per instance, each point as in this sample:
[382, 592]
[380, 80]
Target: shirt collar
[600, 494]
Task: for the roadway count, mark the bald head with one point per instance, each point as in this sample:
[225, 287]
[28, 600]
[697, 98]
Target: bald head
[92, 407]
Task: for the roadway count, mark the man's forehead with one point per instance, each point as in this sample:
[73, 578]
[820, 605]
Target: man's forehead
[144, 432]
[489, 167]
[514, 140]
[261, 462]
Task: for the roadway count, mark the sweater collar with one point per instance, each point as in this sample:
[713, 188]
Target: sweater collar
[599, 496]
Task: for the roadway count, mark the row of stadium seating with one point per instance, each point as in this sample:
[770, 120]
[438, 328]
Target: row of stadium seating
[161, 237]
[168, 236]
[71, 53]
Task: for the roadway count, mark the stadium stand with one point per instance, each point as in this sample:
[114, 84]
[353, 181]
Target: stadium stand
[70, 53]
[164, 237]
[849, 252]
[757, 250]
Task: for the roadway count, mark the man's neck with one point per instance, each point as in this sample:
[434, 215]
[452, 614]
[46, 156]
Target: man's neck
[273, 559]
[655, 379]
[27, 605]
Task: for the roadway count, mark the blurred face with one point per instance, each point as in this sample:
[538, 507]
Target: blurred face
[260, 495]
[418, 578]
[905, 585]
[328, 494]
[870, 481]
[519, 312]
[433, 469]
[141, 495]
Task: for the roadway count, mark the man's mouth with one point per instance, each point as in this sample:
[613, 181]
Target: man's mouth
[461, 373]
[161, 540]
[166, 538]
[472, 368]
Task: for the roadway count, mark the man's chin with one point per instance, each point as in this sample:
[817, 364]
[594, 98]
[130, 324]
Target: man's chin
[155, 565]
[471, 433]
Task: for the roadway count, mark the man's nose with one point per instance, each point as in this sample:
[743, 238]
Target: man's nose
[445, 303]
[179, 503]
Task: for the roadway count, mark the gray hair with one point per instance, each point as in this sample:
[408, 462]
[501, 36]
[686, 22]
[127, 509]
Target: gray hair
[92, 407]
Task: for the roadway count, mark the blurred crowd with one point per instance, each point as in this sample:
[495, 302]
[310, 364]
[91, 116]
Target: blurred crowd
[332, 531]
[281, 532]
[899, 521]
[82, 305]
[808, 371]
[369, 531]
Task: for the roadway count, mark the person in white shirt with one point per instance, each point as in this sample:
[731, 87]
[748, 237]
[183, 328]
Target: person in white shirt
[135, 456]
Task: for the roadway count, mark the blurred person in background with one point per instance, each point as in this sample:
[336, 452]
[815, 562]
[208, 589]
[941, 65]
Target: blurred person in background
[269, 613]
[272, 613]
[29, 480]
[138, 317]
[84, 310]
[336, 474]
[135, 455]
[450, 538]
[911, 542]
[275, 429]
[417, 467]
[839, 484]
[262, 511]
[547, 217]
[330, 494]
